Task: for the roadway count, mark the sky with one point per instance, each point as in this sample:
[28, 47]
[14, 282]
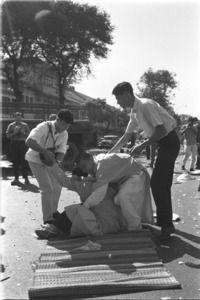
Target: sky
[162, 35]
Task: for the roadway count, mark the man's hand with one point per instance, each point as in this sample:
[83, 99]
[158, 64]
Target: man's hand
[17, 129]
[49, 157]
[22, 131]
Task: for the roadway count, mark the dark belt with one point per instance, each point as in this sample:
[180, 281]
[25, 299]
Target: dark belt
[13, 141]
[173, 132]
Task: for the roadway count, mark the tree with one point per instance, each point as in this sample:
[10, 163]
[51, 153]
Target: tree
[67, 39]
[158, 86]
[84, 32]
[100, 112]
[17, 38]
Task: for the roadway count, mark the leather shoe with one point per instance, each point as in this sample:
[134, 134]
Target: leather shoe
[166, 231]
[56, 215]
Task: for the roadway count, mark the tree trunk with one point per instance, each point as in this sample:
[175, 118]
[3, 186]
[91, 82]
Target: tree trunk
[16, 87]
[61, 94]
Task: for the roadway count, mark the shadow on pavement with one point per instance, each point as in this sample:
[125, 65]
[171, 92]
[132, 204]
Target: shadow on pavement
[2, 231]
[176, 247]
[7, 172]
[2, 219]
[188, 236]
[29, 187]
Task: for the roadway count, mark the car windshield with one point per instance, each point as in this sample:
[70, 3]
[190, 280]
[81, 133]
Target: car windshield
[109, 137]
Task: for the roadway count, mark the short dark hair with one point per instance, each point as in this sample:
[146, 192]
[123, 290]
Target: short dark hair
[66, 115]
[83, 155]
[53, 117]
[190, 119]
[122, 87]
[18, 114]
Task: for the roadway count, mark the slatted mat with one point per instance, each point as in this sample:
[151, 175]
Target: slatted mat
[126, 263]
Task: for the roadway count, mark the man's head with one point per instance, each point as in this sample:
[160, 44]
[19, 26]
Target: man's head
[195, 120]
[190, 119]
[18, 117]
[124, 94]
[52, 117]
[64, 120]
[85, 162]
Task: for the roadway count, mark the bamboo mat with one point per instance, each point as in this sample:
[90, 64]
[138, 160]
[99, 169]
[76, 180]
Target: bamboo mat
[125, 263]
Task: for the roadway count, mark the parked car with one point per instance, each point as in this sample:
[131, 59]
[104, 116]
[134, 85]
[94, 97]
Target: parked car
[108, 141]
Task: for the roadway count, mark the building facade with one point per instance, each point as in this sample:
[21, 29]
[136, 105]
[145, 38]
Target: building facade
[40, 88]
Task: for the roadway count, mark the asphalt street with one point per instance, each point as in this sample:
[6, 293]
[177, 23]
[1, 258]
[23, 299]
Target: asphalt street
[21, 214]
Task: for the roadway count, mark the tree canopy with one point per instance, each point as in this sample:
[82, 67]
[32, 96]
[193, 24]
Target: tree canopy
[67, 39]
[101, 112]
[158, 86]
[17, 39]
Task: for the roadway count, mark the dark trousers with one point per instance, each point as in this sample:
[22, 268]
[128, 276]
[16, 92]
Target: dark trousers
[162, 177]
[198, 158]
[18, 151]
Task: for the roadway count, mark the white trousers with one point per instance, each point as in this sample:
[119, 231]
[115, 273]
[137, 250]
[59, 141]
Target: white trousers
[50, 189]
[190, 150]
[134, 198]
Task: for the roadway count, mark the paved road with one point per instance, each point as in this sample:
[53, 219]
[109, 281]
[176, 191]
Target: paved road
[21, 214]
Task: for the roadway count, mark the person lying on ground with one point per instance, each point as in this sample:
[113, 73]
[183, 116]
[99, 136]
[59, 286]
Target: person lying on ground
[77, 220]
[98, 213]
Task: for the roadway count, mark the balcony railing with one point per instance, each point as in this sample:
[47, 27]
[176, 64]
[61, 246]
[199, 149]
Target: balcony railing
[40, 111]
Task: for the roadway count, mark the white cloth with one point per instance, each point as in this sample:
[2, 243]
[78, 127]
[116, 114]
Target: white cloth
[134, 198]
[133, 180]
[115, 168]
[39, 134]
[84, 221]
[96, 197]
[149, 114]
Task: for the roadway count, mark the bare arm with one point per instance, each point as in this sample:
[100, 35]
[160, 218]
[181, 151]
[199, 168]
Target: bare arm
[122, 141]
[30, 143]
[159, 132]
[9, 135]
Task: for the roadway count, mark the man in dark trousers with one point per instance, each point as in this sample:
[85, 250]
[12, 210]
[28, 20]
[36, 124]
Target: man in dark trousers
[159, 127]
[17, 132]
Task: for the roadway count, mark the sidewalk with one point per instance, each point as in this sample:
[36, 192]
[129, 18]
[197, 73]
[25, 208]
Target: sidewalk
[21, 214]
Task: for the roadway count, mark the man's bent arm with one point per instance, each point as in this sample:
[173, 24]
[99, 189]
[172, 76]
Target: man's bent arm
[159, 132]
[63, 179]
[122, 141]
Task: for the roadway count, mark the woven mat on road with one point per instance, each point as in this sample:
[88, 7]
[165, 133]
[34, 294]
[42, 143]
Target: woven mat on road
[120, 263]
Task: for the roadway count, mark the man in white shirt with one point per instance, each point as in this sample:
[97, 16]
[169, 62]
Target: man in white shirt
[159, 128]
[45, 137]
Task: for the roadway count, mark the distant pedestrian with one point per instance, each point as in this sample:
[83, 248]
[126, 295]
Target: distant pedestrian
[159, 127]
[198, 147]
[142, 138]
[190, 134]
[47, 141]
[17, 132]
[52, 117]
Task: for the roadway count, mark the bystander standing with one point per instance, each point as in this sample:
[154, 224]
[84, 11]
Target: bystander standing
[47, 141]
[159, 128]
[190, 134]
[17, 132]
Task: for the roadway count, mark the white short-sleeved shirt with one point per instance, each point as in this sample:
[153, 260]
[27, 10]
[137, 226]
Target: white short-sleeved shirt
[148, 114]
[44, 138]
